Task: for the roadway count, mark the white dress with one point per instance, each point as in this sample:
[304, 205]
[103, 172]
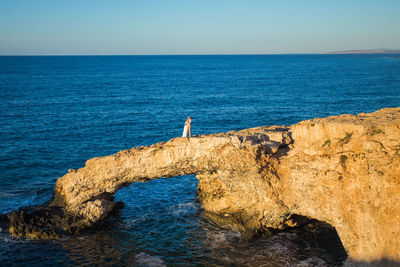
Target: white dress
[185, 129]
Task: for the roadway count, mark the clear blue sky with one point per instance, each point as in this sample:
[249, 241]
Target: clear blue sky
[196, 27]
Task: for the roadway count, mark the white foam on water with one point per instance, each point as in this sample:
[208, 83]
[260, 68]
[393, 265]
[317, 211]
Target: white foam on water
[183, 208]
[222, 238]
[130, 223]
[146, 260]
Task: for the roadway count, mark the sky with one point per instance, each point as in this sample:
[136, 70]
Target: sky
[76, 27]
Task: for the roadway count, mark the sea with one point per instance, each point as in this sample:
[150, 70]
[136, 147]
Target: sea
[56, 112]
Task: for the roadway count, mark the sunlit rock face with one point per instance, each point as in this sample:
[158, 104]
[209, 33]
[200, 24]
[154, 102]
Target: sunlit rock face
[343, 170]
[236, 172]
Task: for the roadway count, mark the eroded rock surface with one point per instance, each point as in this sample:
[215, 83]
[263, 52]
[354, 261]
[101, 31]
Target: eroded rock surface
[343, 170]
[225, 164]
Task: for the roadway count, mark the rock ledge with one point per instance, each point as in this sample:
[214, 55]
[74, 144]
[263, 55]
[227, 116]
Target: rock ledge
[342, 170]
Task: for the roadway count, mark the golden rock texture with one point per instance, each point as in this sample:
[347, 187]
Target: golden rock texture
[236, 172]
[343, 170]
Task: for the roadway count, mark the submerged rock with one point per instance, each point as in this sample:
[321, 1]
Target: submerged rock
[342, 170]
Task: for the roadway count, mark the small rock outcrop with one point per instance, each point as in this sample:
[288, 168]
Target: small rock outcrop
[342, 170]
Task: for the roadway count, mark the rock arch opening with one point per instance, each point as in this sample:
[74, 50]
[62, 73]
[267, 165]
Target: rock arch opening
[257, 176]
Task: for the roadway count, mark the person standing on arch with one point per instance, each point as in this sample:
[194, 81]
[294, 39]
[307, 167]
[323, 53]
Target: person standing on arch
[188, 128]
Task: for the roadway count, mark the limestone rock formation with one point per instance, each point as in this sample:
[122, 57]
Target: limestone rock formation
[225, 164]
[343, 170]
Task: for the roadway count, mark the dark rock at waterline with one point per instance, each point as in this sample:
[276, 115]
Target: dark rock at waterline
[46, 222]
[43, 222]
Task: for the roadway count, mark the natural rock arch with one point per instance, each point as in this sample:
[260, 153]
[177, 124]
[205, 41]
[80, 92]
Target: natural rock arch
[225, 164]
[343, 170]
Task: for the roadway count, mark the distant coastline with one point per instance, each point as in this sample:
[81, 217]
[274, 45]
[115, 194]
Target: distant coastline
[372, 51]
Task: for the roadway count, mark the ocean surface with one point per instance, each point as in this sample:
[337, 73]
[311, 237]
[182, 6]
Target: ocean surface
[56, 112]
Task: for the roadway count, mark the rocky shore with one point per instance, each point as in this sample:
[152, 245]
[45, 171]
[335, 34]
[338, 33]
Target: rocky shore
[341, 170]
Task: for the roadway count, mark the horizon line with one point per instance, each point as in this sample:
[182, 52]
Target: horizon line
[347, 52]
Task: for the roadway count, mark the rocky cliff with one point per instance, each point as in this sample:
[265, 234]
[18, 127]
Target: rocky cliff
[343, 170]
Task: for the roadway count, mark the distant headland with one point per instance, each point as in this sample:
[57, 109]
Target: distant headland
[369, 51]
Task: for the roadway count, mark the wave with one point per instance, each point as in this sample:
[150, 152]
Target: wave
[144, 259]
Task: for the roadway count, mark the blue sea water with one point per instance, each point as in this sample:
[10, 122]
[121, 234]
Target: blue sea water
[58, 111]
